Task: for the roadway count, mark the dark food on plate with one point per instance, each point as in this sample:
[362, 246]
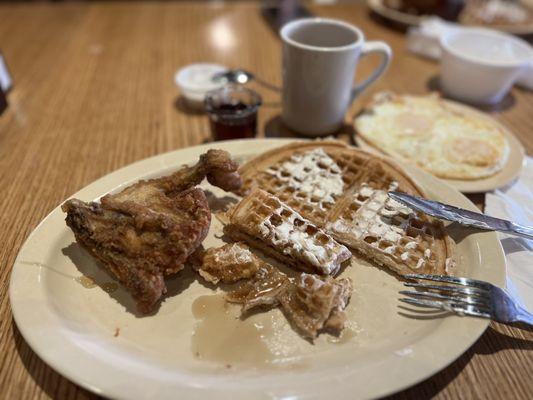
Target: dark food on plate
[498, 13]
[149, 229]
[447, 9]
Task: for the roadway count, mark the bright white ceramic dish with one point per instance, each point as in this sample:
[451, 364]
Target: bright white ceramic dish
[195, 80]
[186, 349]
[481, 65]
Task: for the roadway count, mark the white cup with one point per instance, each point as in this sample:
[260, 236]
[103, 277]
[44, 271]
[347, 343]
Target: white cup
[320, 57]
[481, 65]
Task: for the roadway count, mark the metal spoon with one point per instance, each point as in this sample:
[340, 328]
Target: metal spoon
[241, 76]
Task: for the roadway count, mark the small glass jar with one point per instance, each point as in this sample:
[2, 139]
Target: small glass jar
[233, 111]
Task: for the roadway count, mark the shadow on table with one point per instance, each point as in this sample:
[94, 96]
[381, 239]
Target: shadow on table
[508, 101]
[182, 106]
[275, 128]
[491, 342]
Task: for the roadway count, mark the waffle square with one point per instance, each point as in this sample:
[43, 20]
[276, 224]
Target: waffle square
[265, 222]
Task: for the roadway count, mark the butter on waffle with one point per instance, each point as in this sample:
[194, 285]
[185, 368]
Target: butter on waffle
[311, 177]
[361, 215]
[303, 175]
[266, 223]
[389, 233]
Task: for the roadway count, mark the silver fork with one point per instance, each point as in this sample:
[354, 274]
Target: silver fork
[465, 296]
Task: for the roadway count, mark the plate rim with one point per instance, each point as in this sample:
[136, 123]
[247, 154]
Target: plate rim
[30, 337]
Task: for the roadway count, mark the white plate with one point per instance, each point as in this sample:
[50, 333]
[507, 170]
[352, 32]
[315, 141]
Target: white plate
[73, 328]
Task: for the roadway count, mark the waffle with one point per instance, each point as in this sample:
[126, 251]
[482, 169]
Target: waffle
[302, 175]
[311, 303]
[266, 223]
[389, 233]
[360, 215]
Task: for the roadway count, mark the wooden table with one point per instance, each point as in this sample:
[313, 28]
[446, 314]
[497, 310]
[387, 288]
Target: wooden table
[94, 91]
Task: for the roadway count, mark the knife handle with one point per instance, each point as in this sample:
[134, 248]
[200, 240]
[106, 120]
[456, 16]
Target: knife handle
[520, 230]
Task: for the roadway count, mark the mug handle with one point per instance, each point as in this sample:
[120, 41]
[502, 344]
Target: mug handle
[386, 56]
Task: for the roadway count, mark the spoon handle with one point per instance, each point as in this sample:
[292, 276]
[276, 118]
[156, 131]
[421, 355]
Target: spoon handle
[267, 85]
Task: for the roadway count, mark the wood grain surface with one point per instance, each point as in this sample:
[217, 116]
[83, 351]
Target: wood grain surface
[94, 92]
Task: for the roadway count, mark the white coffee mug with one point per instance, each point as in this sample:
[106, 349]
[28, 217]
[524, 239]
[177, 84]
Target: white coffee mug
[320, 58]
[481, 65]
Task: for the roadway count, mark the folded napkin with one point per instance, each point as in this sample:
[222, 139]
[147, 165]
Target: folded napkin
[424, 41]
[515, 203]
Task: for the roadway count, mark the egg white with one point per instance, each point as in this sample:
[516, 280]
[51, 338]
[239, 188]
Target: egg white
[449, 142]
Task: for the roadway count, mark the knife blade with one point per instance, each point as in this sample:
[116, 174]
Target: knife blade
[460, 215]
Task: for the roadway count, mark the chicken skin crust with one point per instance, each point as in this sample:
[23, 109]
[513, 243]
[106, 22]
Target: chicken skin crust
[149, 229]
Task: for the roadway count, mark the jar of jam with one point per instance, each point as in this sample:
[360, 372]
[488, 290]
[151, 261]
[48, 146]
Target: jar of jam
[232, 112]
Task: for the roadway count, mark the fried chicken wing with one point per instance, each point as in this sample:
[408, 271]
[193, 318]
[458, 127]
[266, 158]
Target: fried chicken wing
[149, 229]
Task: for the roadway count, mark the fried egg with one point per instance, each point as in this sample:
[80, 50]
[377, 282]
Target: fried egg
[449, 141]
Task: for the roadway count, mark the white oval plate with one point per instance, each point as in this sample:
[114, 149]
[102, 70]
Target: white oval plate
[96, 339]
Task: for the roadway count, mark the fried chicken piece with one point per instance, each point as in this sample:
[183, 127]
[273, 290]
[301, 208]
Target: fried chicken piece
[228, 263]
[149, 229]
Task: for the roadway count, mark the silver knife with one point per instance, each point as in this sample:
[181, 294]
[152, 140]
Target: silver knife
[462, 216]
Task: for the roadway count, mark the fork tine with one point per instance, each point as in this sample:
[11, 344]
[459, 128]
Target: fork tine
[424, 303]
[451, 279]
[460, 300]
[448, 288]
[441, 305]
